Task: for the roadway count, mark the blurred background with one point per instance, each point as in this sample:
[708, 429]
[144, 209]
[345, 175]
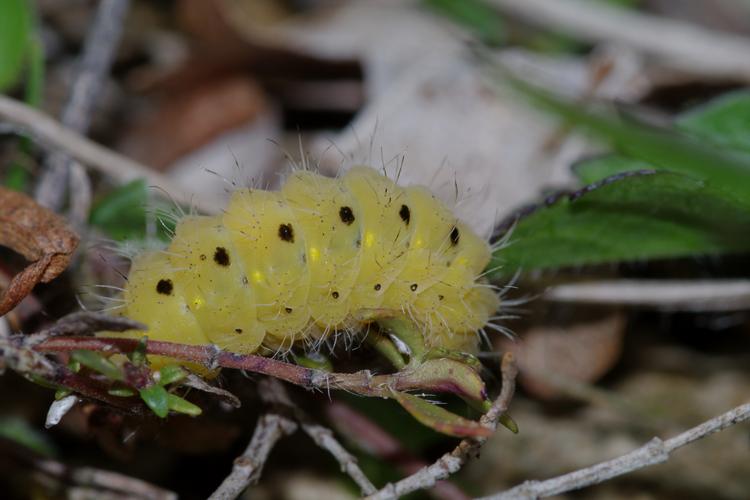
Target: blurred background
[635, 318]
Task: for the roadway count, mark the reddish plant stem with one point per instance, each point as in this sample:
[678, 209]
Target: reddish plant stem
[91, 388]
[361, 382]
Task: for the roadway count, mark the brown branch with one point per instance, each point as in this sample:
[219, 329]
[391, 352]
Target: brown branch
[654, 452]
[455, 460]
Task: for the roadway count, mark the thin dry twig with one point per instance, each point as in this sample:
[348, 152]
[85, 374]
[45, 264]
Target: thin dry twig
[273, 426]
[682, 295]
[120, 168]
[100, 47]
[99, 483]
[323, 437]
[372, 438]
[675, 43]
[455, 460]
[247, 467]
[654, 452]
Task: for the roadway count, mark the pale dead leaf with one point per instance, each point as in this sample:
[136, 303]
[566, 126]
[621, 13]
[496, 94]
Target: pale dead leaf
[553, 360]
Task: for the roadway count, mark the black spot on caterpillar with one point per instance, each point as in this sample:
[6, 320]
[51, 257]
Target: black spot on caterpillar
[297, 273]
[346, 215]
[164, 287]
[455, 236]
[405, 214]
[286, 233]
[221, 256]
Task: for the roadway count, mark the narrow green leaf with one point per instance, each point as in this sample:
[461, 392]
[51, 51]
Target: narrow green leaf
[19, 431]
[121, 392]
[439, 419]
[171, 374]
[446, 375]
[16, 177]
[62, 393]
[15, 29]
[98, 363]
[475, 15]
[727, 170]
[507, 421]
[138, 356]
[638, 217]
[34, 92]
[180, 405]
[157, 398]
[724, 121]
[122, 213]
[595, 169]
[314, 360]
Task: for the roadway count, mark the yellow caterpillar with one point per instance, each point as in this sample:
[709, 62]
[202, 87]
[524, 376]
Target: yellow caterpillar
[318, 257]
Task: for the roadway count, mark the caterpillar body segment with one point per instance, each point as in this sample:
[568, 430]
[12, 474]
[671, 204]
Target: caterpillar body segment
[319, 256]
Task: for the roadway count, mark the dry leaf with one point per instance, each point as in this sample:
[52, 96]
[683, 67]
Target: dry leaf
[41, 236]
[554, 360]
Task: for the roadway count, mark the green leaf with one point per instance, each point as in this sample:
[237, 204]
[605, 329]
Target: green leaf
[121, 392]
[98, 363]
[725, 169]
[62, 393]
[171, 374]
[446, 375]
[651, 216]
[138, 356]
[15, 30]
[34, 91]
[598, 168]
[475, 15]
[314, 360]
[19, 431]
[724, 121]
[122, 213]
[157, 398]
[438, 418]
[16, 177]
[180, 405]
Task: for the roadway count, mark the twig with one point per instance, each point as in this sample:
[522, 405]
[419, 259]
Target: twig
[120, 168]
[270, 428]
[654, 452]
[99, 482]
[323, 437]
[453, 461]
[370, 437]
[86, 323]
[678, 44]
[362, 382]
[248, 466]
[683, 295]
[99, 51]
[62, 172]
